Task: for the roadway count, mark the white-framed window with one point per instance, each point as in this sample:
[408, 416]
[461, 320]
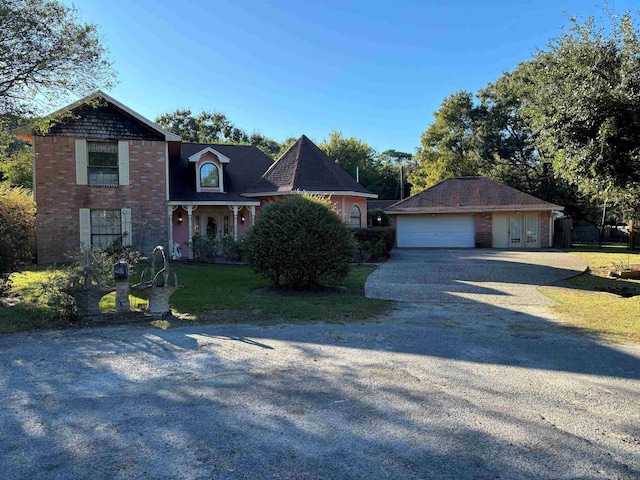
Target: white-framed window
[106, 227]
[355, 216]
[102, 163]
[209, 176]
[100, 228]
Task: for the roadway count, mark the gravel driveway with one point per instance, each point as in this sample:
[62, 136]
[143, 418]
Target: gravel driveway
[434, 391]
[495, 277]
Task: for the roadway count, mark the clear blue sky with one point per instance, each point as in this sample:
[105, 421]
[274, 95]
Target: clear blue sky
[374, 70]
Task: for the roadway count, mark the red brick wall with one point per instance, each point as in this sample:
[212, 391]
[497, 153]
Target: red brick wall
[544, 229]
[483, 227]
[59, 198]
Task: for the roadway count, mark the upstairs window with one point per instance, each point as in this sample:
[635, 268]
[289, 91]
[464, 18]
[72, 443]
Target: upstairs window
[354, 216]
[209, 175]
[102, 163]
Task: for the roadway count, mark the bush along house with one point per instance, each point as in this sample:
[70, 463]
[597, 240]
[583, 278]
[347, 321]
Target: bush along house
[103, 174]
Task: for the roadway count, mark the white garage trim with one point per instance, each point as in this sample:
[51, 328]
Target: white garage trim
[442, 231]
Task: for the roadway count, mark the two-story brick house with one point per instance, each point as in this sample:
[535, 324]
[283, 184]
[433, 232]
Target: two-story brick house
[104, 173]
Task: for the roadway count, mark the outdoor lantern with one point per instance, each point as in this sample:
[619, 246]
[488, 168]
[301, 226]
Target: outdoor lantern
[379, 219]
[242, 218]
[180, 218]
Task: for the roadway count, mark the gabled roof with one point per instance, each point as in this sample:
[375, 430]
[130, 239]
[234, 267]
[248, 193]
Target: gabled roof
[98, 95]
[304, 167]
[208, 149]
[247, 164]
[469, 194]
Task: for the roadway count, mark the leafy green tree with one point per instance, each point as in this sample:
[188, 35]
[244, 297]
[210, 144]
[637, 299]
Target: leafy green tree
[16, 158]
[353, 155]
[394, 167]
[448, 147]
[17, 170]
[47, 55]
[205, 127]
[583, 105]
[286, 145]
[214, 127]
[302, 239]
[490, 134]
[267, 145]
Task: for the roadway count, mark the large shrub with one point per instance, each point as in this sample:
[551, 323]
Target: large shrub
[374, 243]
[17, 227]
[302, 239]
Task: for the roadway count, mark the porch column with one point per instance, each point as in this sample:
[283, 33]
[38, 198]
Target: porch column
[235, 222]
[253, 215]
[170, 210]
[189, 212]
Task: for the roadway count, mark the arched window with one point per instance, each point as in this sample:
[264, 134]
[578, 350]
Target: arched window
[354, 216]
[209, 175]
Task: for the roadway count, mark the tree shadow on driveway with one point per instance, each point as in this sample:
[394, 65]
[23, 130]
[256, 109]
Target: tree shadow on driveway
[489, 276]
[439, 390]
[324, 401]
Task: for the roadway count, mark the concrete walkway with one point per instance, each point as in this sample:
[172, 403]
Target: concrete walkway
[494, 277]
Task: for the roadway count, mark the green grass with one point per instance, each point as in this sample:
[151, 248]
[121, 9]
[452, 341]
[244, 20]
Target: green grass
[243, 297]
[582, 303]
[212, 294]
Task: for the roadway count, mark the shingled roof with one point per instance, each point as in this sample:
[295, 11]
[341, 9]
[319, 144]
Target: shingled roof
[247, 165]
[100, 116]
[304, 167]
[469, 194]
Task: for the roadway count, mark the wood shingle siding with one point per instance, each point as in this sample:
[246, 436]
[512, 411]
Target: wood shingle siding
[104, 122]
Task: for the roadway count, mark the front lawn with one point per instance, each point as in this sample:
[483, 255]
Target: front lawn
[597, 303]
[213, 294]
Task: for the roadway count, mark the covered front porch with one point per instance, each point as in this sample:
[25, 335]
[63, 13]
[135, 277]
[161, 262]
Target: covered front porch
[209, 220]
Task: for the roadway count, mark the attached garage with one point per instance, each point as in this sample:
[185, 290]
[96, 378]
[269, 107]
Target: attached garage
[469, 212]
[436, 231]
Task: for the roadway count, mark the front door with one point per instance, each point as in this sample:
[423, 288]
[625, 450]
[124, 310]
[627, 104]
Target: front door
[211, 227]
[515, 231]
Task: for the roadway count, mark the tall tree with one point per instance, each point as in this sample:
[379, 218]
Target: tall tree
[355, 156]
[47, 55]
[286, 145]
[267, 145]
[214, 127]
[508, 149]
[205, 127]
[394, 167]
[584, 105]
[448, 146]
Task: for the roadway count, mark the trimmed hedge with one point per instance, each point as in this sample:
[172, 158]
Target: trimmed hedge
[374, 243]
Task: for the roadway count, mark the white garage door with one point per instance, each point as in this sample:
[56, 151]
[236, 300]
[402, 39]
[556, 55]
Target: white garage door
[436, 231]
